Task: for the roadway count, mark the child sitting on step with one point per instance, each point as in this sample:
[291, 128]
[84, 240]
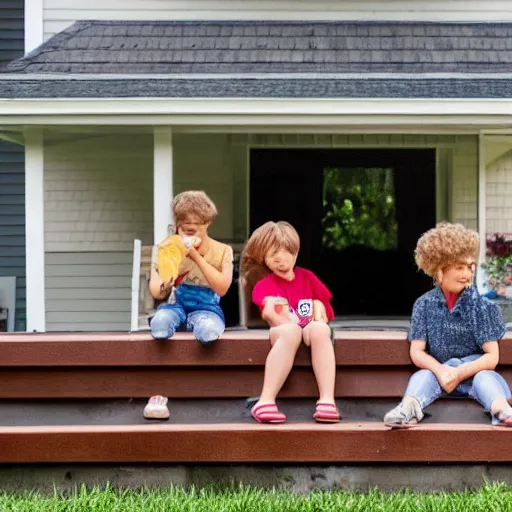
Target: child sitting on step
[296, 305]
[454, 332]
[204, 275]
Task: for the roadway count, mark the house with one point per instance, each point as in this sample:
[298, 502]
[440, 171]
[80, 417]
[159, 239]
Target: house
[269, 107]
[315, 112]
[12, 184]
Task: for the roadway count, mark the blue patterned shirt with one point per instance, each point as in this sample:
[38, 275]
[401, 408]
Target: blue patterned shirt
[460, 332]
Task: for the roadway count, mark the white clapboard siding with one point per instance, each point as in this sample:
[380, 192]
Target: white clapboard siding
[88, 291]
[98, 193]
[76, 282]
[204, 162]
[465, 182]
[498, 187]
[60, 14]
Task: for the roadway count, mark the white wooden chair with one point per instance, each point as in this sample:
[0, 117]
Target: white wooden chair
[8, 301]
[143, 303]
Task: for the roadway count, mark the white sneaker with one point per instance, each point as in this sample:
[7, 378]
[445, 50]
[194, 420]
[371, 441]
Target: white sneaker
[407, 412]
[156, 408]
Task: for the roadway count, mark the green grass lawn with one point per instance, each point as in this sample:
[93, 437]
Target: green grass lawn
[495, 498]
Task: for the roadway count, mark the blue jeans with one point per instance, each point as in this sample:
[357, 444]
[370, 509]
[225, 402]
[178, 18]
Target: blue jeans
[485, 387]
[206, 325]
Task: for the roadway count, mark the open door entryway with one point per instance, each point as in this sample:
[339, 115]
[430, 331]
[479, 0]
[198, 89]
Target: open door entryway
[359, 213]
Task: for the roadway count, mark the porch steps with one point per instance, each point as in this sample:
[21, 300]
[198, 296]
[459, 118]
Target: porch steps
[78, 398]
[121, 365]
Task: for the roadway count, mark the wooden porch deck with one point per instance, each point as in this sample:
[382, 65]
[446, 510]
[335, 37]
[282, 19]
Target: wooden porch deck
[78, 397]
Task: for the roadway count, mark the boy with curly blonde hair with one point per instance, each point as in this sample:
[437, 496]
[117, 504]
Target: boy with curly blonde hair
[455, 332]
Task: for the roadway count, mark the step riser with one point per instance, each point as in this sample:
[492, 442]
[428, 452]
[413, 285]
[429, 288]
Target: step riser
[236, 348]
[196, 383]
[176, 382]
[140, 350]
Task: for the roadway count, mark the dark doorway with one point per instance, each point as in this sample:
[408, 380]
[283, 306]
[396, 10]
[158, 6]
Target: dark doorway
[359, 213]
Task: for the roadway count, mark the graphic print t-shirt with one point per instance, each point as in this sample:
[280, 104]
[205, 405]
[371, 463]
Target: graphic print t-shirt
[300, 293]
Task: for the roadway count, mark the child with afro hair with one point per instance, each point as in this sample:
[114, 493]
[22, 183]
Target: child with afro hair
[455, 332]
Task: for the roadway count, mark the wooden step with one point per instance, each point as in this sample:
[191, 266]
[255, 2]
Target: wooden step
[222, 431]
[234, 348]
[244, 442]
[370, 364]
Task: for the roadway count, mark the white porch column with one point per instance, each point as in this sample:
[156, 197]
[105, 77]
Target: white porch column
[482, 228]
[162, 181]
[34, 229]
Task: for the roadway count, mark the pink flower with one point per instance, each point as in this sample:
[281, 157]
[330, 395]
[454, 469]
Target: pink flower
[498, 245]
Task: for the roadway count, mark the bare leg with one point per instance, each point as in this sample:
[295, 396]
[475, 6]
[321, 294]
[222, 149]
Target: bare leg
[285, 340]
[317, 335]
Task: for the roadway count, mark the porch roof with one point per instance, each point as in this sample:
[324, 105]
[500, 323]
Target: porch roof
[262, 59]
[257, 87]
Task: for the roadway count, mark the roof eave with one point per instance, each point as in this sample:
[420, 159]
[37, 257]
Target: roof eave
[283, 115]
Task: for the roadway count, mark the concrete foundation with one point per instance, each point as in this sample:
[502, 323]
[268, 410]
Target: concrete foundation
[426, 478]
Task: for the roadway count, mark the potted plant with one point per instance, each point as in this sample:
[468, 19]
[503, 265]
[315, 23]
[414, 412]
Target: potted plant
[498, 265]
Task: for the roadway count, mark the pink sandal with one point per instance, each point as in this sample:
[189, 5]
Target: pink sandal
[326, 413]
[267, 413]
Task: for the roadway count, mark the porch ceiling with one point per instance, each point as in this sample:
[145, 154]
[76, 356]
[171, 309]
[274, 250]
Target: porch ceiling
[61, 134]
[65, 129]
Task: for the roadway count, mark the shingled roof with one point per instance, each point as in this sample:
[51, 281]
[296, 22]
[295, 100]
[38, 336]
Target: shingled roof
[390, 60]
